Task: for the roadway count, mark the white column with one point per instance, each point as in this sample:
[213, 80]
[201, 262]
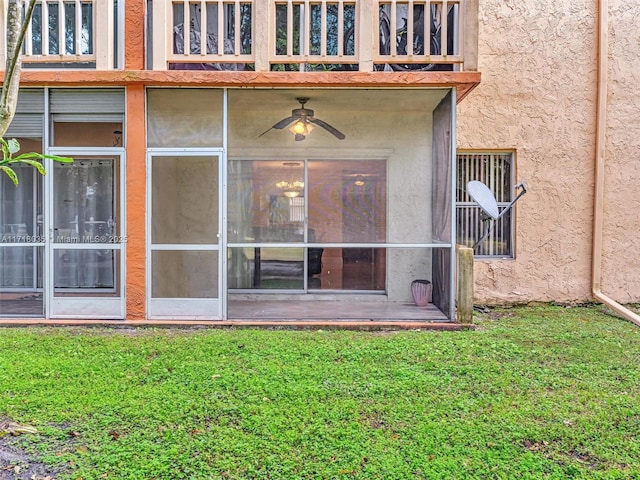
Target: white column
[160, 44]
[103, 33]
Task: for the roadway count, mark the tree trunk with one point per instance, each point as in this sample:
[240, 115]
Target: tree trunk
[16, 30]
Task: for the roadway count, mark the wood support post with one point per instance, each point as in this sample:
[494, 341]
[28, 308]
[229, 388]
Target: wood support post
[464, 284]
[470, 12]
[263, 24]
[365, 35]
[104, 45]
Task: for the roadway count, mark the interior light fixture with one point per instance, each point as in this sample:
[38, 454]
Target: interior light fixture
[302, 121]
[301, 128]
[291, 188]
[359, 181]
[117, 138]
[291, 193]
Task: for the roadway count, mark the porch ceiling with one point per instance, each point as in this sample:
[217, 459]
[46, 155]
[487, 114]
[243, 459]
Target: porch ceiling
[339, 100]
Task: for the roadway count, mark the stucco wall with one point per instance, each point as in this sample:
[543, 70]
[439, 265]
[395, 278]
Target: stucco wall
[538, 95]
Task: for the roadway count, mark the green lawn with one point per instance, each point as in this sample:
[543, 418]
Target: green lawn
[533, 393]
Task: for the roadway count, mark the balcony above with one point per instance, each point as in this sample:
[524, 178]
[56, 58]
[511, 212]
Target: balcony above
[69, 34]
[314, 35]
[263, 42]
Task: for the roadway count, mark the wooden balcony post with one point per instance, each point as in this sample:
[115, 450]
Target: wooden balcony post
[160, 27]
[365, 32]
[470, 35]
[464, 283]
[263, 19]
[104, 28]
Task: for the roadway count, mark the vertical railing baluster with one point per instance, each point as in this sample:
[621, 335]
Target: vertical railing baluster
[45, 28]
[236, 44]
[78, 27]
[289, 28]
[392, 29]
[430, 17]
[458, 22]
[221, 23]
[305, 29]
[28, 41]
[444, 25]
[62, 38]
[323, 30]
[340, 28]
[204, 30]
[186, 28]
[409, 36]
[426, 28]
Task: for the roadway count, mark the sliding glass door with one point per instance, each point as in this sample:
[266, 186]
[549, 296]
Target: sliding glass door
[309, 225]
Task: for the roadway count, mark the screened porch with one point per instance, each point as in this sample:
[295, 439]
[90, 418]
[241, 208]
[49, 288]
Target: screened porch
[346, 212]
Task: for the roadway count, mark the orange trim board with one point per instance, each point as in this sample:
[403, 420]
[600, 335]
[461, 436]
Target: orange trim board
[464, 82]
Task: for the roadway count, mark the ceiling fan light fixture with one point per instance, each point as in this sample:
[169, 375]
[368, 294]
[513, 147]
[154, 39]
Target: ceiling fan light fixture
[302, 121]
[301, 128]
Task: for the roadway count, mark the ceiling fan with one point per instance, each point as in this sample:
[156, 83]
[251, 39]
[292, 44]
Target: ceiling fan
[302, 121]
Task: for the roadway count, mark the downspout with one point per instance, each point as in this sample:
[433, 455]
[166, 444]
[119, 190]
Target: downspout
[598, 210]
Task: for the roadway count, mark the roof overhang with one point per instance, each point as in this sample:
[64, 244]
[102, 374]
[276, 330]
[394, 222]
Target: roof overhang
[463, 82]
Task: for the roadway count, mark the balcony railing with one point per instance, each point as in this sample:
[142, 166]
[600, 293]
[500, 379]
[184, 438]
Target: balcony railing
[67, 33]
[310, 35]
[260, 35]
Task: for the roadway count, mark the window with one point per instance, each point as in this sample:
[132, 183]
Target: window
[496, 170]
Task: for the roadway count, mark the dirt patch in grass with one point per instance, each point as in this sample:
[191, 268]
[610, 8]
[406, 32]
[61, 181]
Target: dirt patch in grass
[17, 464]
[18, 460]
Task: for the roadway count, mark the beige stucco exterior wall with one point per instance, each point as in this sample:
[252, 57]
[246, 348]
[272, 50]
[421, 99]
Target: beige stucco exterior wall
[538, 96]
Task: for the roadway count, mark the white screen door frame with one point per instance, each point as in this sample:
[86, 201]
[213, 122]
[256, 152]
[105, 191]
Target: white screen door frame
[85, 257]
[184, 233]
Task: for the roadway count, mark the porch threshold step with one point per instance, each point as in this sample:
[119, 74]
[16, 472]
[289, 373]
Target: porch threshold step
[371, 325]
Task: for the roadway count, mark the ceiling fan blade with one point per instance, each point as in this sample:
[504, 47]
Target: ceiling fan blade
[334, 131]
[284, 122]
[265, 132]
[280, 125]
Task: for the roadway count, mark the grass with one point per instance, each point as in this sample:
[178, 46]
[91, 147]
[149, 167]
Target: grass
[533, 393]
